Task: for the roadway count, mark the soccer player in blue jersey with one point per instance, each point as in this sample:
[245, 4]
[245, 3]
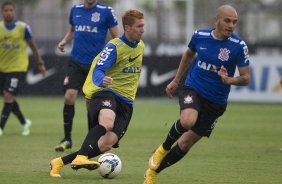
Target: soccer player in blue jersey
[212, 55]
[110, 87]
[89, 23]
[15, 36]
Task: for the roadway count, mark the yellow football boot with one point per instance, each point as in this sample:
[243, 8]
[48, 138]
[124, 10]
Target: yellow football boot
[157, 158]
[150, 177]
[82, 162]
[56, 166]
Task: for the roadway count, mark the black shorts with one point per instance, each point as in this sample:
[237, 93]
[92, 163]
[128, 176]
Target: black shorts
[11, 82]
[76, 75]
[208, 111]
[108, 100]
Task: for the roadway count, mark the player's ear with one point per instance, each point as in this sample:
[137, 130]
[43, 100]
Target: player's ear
[215, 20]
[126, 27]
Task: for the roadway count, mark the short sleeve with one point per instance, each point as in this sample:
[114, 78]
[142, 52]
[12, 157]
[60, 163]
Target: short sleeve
[27, 33]
[112, 19]
[243, 55]
[71, 17]
[192, 43]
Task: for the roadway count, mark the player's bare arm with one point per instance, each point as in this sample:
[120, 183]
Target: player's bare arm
[68, 37]
[241, 80]
[114, 32]
[37, 57]
[185, 62]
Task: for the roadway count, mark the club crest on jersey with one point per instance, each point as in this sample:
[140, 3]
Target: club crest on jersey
[107, 103]
[95, 17]
[188, 99]
[224, 54]
[66, 80]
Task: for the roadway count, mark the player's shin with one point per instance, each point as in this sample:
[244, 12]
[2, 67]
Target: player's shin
[16, 110]
[5, 114]
[174, 155]
[175, 132]
[91, 140]
[68, 120]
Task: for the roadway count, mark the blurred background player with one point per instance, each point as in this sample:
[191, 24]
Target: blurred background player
[89, 23]
[281, 85]
[213, 55]
[15, 35]
[111, 87]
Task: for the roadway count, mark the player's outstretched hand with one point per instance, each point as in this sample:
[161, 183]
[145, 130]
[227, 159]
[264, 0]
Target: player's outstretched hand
[170, 88]
[107, 81]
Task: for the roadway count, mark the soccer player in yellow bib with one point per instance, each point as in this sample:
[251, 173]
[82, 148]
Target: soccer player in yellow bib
[110, 89]
[15, 35]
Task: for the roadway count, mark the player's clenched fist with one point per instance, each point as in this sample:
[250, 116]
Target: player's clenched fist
[107, 81]
[170, 88]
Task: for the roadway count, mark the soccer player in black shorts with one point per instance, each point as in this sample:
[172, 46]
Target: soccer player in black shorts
[212, 55]
[89, 23]
[110, 89]
[15, 36]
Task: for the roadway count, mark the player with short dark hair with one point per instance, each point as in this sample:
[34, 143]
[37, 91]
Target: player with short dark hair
[15, 36]
[89, 23]
[110, 88]
[212, 55]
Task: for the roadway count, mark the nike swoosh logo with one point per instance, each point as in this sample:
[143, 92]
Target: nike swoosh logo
[152, 163]
[32, 78]
[157, 79]
[132, 59]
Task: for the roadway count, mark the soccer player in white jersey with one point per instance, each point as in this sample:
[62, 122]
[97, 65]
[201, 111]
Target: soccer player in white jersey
[212, 55]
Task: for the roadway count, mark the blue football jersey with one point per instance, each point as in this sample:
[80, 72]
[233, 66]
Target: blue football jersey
[90, 30]
[211, 55]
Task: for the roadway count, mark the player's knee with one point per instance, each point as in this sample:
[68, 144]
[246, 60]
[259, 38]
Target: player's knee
[107, 118]
[70, 97]
[8, 97]
[187, 122]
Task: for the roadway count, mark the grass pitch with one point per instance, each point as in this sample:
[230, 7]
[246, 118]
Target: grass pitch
[243, 149]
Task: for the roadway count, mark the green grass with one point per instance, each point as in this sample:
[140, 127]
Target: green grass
[243, 149]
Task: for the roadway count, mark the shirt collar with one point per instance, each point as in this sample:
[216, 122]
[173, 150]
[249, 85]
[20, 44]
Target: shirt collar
[131, 44]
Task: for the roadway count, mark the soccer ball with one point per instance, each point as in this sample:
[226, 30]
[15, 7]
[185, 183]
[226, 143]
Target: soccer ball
[110, 165]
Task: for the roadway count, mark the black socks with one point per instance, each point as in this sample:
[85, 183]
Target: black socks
[175, 132]
[174, 155]
[5, 114]
[68, 119]
[16, 110]
[90, 143]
